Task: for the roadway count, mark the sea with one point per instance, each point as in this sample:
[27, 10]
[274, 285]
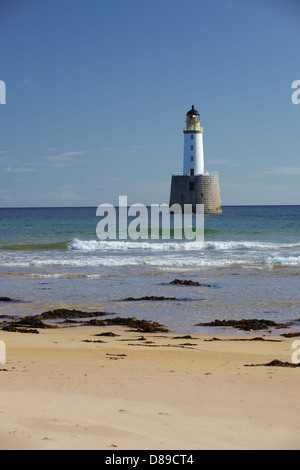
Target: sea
[248, 265]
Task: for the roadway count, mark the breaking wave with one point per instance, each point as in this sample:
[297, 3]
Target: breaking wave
[126, 245]
[117, 245]
[157, 253]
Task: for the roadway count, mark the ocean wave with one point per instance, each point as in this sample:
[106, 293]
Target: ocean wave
[168, 260]
[283, 261]
[127, 245]
[148, 245]
[232, 245]
[157, 253]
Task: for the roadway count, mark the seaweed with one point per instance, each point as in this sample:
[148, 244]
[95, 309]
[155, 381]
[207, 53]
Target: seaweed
[246, 325]
[189, 283]
[151, 297]
[274, 363]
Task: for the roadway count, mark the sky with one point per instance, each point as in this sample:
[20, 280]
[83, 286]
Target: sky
[97, 94]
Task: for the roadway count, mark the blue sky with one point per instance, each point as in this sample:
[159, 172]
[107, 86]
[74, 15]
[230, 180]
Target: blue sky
[97, 93]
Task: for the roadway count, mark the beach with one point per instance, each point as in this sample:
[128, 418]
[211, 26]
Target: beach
[196, 381]
[63, 389]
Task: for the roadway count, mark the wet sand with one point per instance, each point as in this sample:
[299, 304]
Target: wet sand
[60, 392]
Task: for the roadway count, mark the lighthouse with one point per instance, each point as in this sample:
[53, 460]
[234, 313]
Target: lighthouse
[193, 159]
[194, 186]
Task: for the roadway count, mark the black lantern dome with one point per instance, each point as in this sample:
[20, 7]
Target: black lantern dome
[193, 113]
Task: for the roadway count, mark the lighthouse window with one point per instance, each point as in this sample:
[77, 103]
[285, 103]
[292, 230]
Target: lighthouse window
[192, 147]
[192, 136]
[192, 159]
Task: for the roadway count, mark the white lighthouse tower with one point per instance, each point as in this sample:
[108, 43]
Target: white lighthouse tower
[194, 186]
[193, 158]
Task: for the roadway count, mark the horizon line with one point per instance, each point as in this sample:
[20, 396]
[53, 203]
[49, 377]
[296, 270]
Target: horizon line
[147, 205]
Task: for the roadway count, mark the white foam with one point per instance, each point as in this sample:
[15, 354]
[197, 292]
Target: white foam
[126, 245]
[232, 245]
[283, 261]
[116, 245]
[173, 254]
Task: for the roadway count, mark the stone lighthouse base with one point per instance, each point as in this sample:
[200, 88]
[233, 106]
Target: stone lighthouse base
[197, 189]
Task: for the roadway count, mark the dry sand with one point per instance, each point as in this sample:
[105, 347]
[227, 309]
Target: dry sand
[59, 392]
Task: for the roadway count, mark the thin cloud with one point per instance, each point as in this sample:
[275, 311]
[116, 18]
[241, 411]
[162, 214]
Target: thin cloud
[71, 154]
[27, 82]
[5, 198]
[66, 158]
[225, 162]
[66, 195]
[9, 169]
[133, 148]
[283, 170]
[2, 152]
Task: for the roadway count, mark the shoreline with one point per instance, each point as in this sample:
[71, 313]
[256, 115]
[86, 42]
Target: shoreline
[145, 391]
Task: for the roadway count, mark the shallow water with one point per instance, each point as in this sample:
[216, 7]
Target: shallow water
[51, 258]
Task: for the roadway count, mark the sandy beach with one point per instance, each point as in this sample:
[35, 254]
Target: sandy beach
[62, 390]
